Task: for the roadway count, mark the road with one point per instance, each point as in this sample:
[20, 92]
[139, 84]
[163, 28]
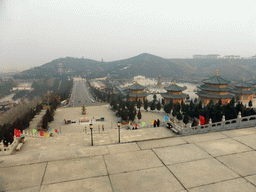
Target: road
[81, 95]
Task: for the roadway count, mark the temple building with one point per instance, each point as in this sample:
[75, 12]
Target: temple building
[252, 83]
[243, 91]
[136, 91]
[215, 88]
[174, 93]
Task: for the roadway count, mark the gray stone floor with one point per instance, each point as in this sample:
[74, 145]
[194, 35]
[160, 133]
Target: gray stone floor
[151, 159]
[219, 161]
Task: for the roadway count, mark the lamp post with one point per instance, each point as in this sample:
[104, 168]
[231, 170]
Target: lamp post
[91, 127]
[119, 125]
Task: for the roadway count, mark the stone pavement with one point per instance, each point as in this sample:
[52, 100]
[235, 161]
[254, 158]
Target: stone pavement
[217, 161]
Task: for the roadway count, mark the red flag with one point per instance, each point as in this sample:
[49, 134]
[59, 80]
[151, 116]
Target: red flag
[41, 133]
[202, 120]
[17, 132]
[56, 130]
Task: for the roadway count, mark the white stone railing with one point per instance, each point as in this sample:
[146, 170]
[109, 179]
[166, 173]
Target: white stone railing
[30, 134]
[11, 147]
[239, 122]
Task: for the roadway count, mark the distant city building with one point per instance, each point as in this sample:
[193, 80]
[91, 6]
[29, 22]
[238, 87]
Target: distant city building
[174, 93]
[209, 56]
[243, 91]
[136, 91]
[139, 77]
[232, 57]
[215, 88]
[253, 57]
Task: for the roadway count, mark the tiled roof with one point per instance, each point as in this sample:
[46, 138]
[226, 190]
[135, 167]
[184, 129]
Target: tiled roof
[214, 96]
[174, 96]
[174, 87]
[135, 86]
[208, 88]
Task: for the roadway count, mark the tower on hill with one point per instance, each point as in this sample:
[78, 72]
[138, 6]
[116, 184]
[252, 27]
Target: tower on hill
[60, 68]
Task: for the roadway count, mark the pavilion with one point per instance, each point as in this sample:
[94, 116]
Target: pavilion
[174, 93]
[243, 91]
[215, 88]
[136, 92]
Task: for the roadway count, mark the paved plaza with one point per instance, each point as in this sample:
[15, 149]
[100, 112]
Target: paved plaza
[150, 159]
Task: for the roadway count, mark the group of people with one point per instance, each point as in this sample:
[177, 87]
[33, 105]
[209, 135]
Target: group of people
[156, 123]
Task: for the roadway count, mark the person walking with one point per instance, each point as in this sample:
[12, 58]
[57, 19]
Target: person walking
[158, 122]
[155, 123]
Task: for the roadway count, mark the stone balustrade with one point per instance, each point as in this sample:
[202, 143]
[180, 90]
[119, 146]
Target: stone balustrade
[239, 122]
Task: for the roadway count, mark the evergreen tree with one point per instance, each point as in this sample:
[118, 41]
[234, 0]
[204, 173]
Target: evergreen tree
[139, 103]
[158, 106]
[146, 104]
[167, 109]
[154, 96]
[250, 103]
[179, 116]
[186, 118]
[152, 106]
[163, 101]
[139, 116]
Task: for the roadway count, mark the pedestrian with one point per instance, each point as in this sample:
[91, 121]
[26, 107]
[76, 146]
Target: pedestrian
[136, 126]
[158, 122]
[155, 123]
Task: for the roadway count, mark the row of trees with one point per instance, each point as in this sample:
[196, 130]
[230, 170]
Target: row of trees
[126, 109]
[7, 130]
[187, 112]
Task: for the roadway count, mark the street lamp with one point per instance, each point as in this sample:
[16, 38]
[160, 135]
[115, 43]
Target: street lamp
[119, 126]
[91, 127]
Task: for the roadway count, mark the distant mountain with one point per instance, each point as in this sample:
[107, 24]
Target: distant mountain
[147, 65]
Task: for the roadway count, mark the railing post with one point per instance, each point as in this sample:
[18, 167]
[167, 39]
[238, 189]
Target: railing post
[239, 116]
[223, 122]
[210, 125]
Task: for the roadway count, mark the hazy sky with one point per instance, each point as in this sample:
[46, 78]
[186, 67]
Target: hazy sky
[34, 32]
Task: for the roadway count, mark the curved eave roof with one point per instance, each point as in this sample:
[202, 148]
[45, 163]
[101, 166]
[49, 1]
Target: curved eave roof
[243, 85]
[174, 96]
[135, 86]
[208, 88]
[138, 94]
[175, 88]
[217, 80]
[214, 96]
[240, 91]
[251, 82]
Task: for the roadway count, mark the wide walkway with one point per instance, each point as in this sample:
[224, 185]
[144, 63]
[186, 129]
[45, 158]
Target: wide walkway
[218, 161]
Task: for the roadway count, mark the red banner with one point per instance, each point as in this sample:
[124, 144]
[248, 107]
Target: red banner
[202, 120]
[17, 133]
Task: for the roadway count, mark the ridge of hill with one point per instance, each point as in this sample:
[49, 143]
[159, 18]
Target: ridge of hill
[147, 65]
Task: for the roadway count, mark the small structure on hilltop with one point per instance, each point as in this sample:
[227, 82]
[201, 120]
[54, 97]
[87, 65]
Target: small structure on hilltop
[243, 91]
[252, 83]
[136, 92]
[174, 93]
[215, 88]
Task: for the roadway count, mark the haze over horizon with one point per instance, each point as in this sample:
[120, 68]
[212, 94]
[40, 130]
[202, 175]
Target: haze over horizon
[37, 32]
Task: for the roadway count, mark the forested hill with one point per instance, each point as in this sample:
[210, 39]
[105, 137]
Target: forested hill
[234, 69]
[147, 65]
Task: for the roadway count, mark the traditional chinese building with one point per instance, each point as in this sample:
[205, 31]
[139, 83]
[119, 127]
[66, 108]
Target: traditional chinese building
[243, 91]
[215, 88]
[136, 91]
[252, 83]
[174, 93]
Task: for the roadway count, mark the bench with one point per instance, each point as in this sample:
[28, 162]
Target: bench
[175, 130]
[19, 146]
